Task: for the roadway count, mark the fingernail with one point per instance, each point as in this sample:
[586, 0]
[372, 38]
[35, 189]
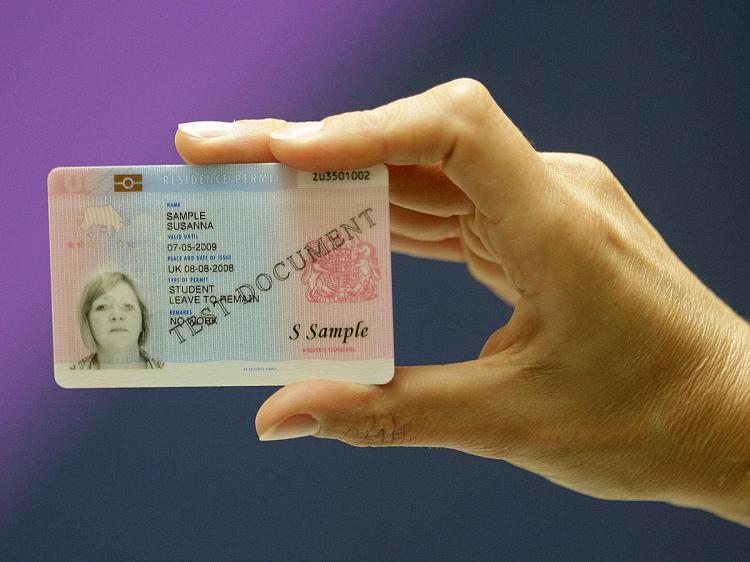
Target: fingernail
[298, 131]
[207, 129]
[300, 425]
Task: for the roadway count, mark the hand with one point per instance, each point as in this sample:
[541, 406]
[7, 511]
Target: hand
[619, 375]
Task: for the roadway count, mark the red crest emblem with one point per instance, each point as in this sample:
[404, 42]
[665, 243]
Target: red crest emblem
[349, 273]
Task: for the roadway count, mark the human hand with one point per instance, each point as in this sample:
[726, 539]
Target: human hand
[619, 374]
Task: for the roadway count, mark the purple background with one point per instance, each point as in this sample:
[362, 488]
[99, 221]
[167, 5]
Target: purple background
[661, 96]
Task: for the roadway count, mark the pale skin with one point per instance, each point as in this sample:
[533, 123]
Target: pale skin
[115, 320]
[619, 375]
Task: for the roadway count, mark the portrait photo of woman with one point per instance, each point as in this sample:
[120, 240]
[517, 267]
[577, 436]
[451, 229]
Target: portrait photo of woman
[114, 325]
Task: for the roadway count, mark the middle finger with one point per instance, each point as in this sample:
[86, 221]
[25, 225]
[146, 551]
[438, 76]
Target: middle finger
[420, 226]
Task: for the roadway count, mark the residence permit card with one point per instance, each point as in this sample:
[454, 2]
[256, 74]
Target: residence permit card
[222, 275]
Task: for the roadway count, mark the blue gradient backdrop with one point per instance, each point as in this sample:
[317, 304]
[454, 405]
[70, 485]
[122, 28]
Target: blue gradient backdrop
[660, 94]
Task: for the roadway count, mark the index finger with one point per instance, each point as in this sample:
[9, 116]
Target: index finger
[458, 124]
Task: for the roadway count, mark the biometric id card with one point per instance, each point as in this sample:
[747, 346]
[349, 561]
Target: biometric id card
[226, 275]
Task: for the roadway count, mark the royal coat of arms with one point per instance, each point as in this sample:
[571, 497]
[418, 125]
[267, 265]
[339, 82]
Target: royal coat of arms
[349, 273]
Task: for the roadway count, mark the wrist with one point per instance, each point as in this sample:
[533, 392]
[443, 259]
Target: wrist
[716, 423]
[730, 457]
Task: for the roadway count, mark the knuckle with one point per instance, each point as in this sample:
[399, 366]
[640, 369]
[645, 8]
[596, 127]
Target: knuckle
[372, 118]
[382, 123]
[597, 171]
[260, 124]
[476, 267]
[357, 119]
[474, 235]
[593, 209]
[377, 430]
[580, 226]
[466, 98]
[375, 119]
[582, 171]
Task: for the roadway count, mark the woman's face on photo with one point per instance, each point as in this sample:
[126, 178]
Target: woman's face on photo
[115, 318]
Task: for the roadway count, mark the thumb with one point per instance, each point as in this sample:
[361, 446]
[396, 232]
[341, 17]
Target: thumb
[422, 406]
